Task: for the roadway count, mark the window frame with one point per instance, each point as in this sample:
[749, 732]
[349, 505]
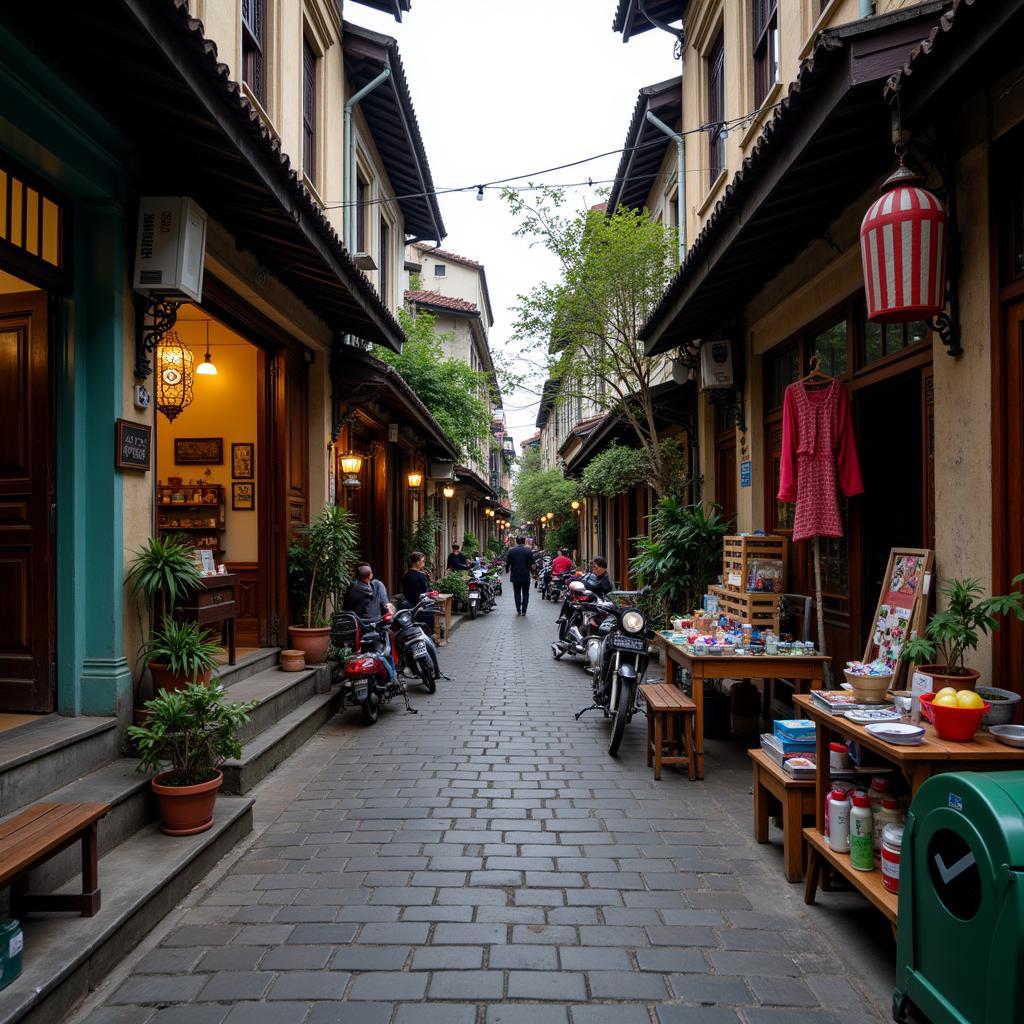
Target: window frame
[714, 64]
[254, 48]
[765, 32]
[384, 258]
[310, 105]
[362, 207]
[440, 270]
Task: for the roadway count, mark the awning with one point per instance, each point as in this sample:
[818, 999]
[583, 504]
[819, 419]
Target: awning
[828, 140]
[630, 21]
[394, 7]
[389, 113]
[469, 477]
[149, 69]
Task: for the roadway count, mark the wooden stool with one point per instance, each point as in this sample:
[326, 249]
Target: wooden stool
[670, 715]
[796, 797]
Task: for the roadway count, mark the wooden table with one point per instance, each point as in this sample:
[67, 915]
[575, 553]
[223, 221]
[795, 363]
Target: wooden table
[213, 602]
[795, 796]
[805, 669]
[918, 763]
[444, 600]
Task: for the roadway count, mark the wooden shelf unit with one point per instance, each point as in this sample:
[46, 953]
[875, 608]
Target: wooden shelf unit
[737, 554]
[868, 883]
[193, 510]
[760, 610]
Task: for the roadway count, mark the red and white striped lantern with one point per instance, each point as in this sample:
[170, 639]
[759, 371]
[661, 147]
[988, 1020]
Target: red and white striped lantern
[903, 250]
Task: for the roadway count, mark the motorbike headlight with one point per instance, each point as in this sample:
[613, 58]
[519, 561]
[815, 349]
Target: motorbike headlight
[633, 621]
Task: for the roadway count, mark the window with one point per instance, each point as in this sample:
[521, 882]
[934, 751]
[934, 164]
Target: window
[881, 340]
[439, 269]
[361, 189]
[780, 370]
[309, 60]
[832, 348]
[766, 48]
[716, 108]
[254, 72]
[385, 258]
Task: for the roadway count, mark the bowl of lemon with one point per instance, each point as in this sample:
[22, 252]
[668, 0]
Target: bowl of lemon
[956, 714]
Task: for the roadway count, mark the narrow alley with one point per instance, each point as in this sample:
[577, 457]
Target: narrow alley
[485, 862]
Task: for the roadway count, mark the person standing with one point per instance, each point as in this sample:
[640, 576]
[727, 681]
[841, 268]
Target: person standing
[518, 562]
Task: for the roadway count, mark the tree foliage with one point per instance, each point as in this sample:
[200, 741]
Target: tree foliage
[619, 469]
[453, 391]
[537, 491]
[586, 325]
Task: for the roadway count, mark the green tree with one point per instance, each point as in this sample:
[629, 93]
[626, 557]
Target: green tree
[537, 491]
[585, 326]
[619, 469]
[456, 394]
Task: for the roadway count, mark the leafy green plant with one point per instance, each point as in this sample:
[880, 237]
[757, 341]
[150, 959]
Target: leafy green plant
[958, 628]
[456, 584]
[470, 544]
[424, 537]
[184, 648]
[162, 569]
[495, 547]
[619, 469]
[190, 732]
[537, 490]
[683, 554]
[320, 563]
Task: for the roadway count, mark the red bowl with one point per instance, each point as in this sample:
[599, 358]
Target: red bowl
[957, 724]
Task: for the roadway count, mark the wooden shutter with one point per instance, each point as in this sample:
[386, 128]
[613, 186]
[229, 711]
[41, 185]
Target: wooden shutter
[309, 59]
[253, 45]
[716, 107]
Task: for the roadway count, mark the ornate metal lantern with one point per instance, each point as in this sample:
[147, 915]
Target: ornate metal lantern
[448, 491]
[351, 464]
[903, 249]
[174, 375]
[415, 478]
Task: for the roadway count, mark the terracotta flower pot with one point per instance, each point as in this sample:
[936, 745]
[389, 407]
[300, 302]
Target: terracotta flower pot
[186, 810]
[165, 679]
[293, 661]
[941, 677]
[312, 641]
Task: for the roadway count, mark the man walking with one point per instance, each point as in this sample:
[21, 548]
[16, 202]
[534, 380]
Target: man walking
[518, 562]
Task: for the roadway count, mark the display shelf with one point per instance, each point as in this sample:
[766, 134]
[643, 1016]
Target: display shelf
[188, 504]
[738, 552]
[205, 529]
[760, 610]
[868, 883]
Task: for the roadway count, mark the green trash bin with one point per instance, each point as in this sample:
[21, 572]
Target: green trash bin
[960, 940]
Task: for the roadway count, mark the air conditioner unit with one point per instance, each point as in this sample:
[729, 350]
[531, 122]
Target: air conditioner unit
[170, 249]
[442, 471]
[716, 364]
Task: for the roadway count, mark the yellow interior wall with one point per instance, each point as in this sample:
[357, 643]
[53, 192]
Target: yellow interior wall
[223, 406]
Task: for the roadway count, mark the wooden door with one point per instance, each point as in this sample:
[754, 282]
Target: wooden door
[27, 509]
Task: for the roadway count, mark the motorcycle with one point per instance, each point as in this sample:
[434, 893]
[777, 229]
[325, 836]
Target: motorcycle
[481, 593]
[544, 580]
[366, 679]
[557, 587]
[541, 566]
[582, 612]
[414, 648]
[618, 655]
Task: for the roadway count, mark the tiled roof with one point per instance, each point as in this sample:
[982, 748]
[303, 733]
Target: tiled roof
[587, 425]
[630, 22]
[393, 7]
[931, 51]
[445, 255]
[534, 438]
[422, 297]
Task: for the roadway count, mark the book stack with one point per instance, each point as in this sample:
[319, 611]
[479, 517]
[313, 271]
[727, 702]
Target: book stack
[838, 702]
[791, 745]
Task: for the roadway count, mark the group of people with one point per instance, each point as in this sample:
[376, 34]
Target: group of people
[521, 559]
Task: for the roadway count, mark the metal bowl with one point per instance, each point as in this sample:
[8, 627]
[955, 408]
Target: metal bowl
[1011, 735]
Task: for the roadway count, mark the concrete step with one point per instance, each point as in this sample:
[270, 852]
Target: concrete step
[141, 880]
[266, 751]
[247, 665]
[38, 758]
[278, 694]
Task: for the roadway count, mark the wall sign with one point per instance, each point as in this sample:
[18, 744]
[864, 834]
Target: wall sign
[133, 443]
[745, 473]
[199, 451]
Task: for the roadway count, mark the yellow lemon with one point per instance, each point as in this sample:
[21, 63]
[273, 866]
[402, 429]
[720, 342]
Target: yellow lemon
[946, 691]
[969, 699]
[946, 700]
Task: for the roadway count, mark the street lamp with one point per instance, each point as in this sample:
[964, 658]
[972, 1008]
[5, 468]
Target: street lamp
[448, 491]
[415, 479]
[351, 464]
[575, 506]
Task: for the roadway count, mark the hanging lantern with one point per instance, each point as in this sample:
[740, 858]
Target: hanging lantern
[415, 479]
[351, 464]
[174, 375]
[903, 250]
[575, 505]
[448, 491]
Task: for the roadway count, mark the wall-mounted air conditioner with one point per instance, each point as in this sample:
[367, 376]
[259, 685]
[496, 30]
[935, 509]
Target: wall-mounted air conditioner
[170, 248]
[716, 364]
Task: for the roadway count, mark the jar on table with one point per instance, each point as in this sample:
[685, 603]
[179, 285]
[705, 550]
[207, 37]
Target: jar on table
[771, 644]
[838, 757]
[892, 844]
[862, 833]
[890, 813]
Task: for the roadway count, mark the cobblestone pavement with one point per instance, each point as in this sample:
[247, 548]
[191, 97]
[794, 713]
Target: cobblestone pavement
[487, 862]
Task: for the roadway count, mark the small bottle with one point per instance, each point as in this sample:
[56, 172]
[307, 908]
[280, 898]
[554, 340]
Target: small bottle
[890, 813]
[879, 789]
[771, 644]
[837, 822]
[862, 836]
[838, 756]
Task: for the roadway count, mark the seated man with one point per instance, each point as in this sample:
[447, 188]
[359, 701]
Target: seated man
[562, 562]
[414, 582]
[368, 598]
[598, 581]
[457, 561]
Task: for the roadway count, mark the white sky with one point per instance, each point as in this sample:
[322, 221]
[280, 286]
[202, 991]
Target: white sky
[506, 88]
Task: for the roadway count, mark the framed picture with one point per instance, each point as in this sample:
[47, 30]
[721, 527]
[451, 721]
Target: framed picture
[242, 461]
[199, 451]
[243, 497]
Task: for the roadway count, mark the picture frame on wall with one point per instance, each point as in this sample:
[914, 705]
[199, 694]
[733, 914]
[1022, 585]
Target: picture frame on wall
[243, 497]
[243, 460]
[199, 451]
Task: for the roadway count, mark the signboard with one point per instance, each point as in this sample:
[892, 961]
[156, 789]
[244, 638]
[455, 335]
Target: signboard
[745, 473]
[133, 443]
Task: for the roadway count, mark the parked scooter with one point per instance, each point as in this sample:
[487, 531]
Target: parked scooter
[366, 680]
[481, 593]
[582, 612]
[415, 652]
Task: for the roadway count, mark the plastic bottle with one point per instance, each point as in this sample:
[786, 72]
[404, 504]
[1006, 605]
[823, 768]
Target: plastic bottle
[892, 843]
[879, 789]
[890, 813]
[862, 838]
[837, 820]
[838, 756]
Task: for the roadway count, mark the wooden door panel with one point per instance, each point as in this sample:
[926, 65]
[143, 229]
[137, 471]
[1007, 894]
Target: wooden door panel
[26, 491]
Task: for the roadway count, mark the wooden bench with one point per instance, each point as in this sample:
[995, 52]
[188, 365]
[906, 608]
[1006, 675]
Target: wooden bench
[40, 832]
[670, 715]
[796, 798]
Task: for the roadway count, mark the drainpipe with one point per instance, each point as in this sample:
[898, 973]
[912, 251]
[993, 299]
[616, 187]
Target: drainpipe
[867, 8]
[348, 234]
[680, 179]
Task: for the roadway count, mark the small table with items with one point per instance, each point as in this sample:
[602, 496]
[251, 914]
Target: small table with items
[917, 763]
[807, 670]
[444, 610]
[214, 602]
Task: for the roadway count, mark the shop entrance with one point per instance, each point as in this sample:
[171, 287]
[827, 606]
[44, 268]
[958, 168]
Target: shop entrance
[27, 503]
[210, 488]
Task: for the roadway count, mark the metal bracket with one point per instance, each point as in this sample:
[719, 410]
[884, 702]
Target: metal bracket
[947, 323]
[689, 356]
[156, 318]
[731, 400]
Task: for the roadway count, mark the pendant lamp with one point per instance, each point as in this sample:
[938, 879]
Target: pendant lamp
[206, 367]
[174, 375]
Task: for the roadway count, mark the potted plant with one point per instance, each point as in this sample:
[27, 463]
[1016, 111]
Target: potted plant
[185, 738]
[957, 629]
[320, 569]
[180, 653]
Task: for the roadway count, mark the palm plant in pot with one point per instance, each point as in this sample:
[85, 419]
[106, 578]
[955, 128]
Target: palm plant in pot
[320, 570]
[185, 738]
[957, 629]
[180, 653]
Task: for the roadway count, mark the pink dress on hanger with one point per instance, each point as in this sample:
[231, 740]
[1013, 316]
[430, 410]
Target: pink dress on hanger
[818, 447]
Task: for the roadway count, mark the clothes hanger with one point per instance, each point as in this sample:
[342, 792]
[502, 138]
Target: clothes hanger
[817, 377]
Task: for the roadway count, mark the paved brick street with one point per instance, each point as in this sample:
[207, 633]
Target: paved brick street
[486, 861]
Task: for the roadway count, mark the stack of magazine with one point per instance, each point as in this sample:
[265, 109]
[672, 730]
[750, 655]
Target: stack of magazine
[838, 702]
